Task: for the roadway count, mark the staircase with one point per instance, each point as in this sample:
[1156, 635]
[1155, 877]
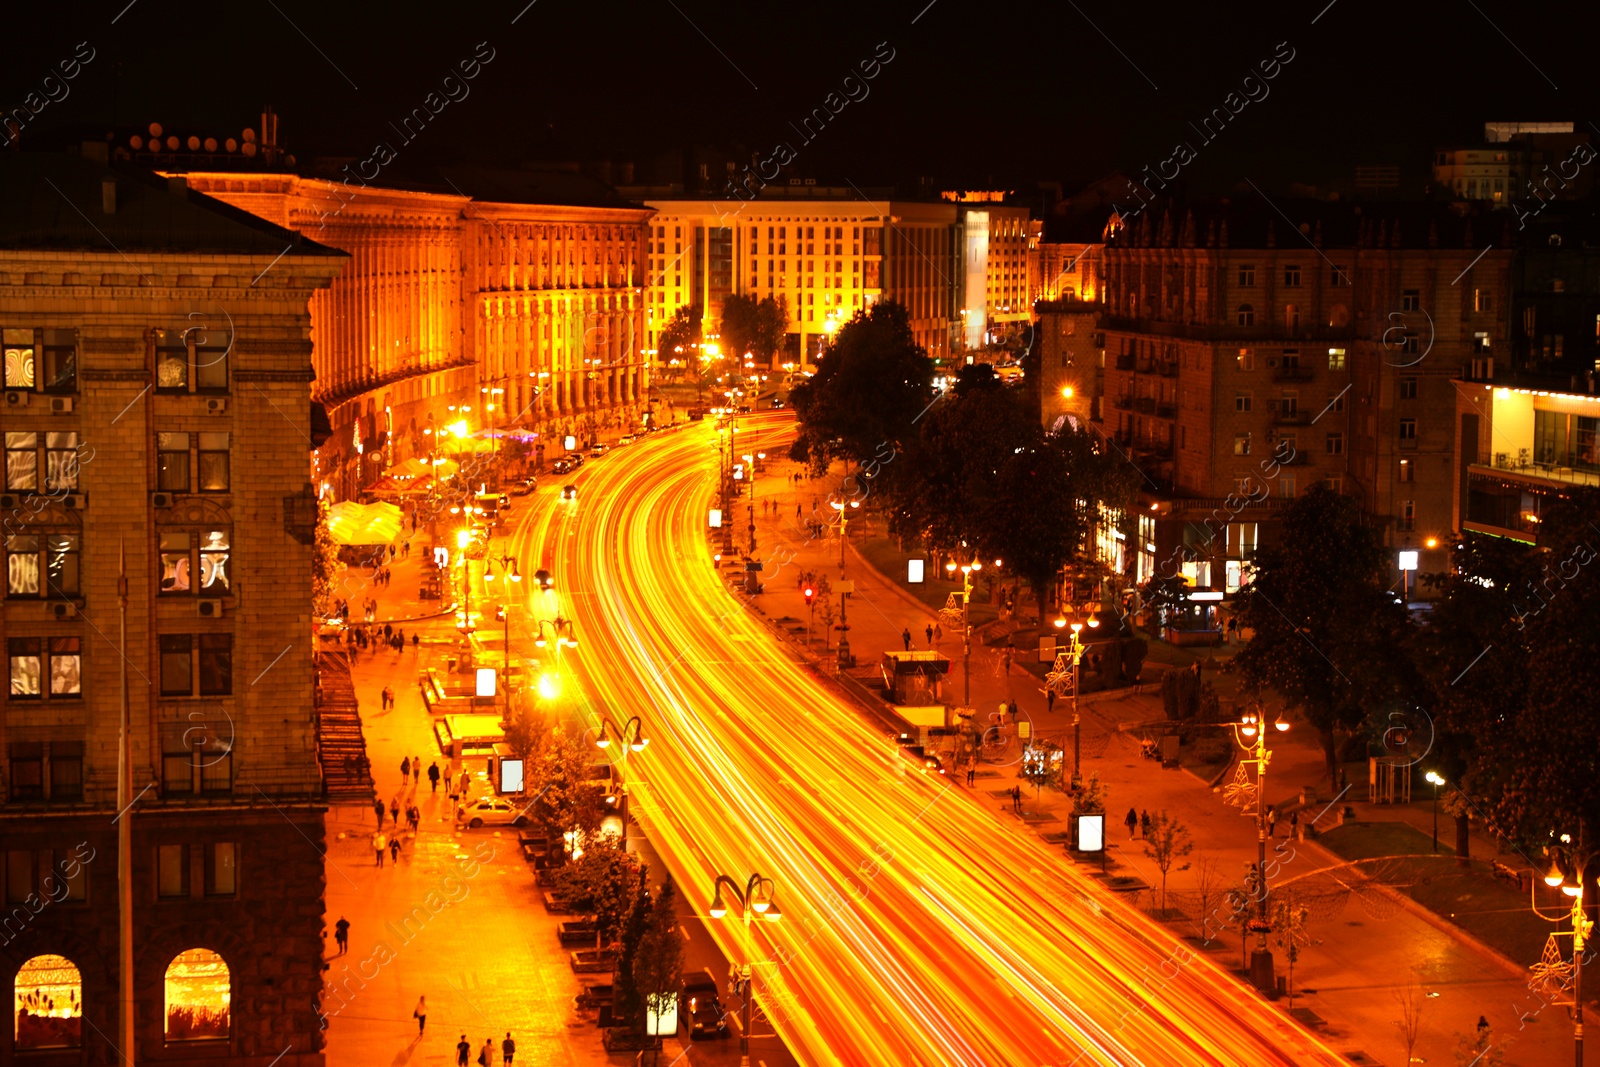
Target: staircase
[341, 749]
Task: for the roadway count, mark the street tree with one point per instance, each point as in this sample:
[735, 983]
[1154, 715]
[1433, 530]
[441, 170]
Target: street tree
[1483, 1048]
[658, 967]
[601, 883]
[560, 770]
[1209, 897]
[1329, 634]
[1291, 929]
[754, 326]
[525, 726]
[325, 565]
[1409, 999]
[680, 338]
[1167, 842]
[872, 384]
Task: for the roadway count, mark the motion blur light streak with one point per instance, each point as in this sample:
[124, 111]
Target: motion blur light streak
[919, 928]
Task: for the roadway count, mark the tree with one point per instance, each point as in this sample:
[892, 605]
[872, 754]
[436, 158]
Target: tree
[1329, 636]
[1166, 843]
[680, 337]
[658, 970]
[1242, 902]
[601, 883]
[872, 383]
[525, 728]
[1208, 896]
[1290, 924]
[754, 327]
[325, 565]
[1481, 1049]
[1166, 595]
[569, 798]
[1410, 1000]
[628, 1004]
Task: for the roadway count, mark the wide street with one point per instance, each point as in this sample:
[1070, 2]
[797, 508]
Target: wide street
[965, 938]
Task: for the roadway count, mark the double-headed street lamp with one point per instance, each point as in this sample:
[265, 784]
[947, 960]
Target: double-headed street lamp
[755, 899]
[463, 539]
[508, 564]
[843, 507]
[627, 748]
[1076, 650]
[566, 635]
[967, 571]
[1567, 866]
[1435, 779]
[1250, 732]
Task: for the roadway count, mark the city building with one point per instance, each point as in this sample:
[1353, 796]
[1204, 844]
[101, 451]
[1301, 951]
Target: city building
[156, 422]
[1519, 164]
[826, 256]
[1248, 359]
[529, 283]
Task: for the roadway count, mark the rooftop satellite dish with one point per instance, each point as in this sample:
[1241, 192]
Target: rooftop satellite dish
[136, 141]
[250, 148]
[155, 129]
[249, 135]
[211, 144]
[172, 143]
[231, 145]
[194, 143]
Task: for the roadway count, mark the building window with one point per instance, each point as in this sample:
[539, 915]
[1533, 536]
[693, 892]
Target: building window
[1336, 444]
[60, 460]
[198, 996]
[1246, 315]
[1408, 388]
[1291, 317]
[1243, 485]
[1291, 359]
[1286, 486]
[1408, 515]
[1247, 277]
[177, 665]
[1241, 444]
[1408, 471]
[1411, 300]
[48, 994]
[1241, 400]
[1247, 358]
[172, 870]
[1482, 300]
[194, 360]
[1408, 429]
[187, 553]
[1409, 345]
[27, 770]
[1336, 359]
[1333, 483]
[1341, 276]
[1291, 277]
[172, 462]
[222, 869]
[66, 769]
[214, 472]
[1289, 402]
[45, 667]
[42, 360]
[216, 664]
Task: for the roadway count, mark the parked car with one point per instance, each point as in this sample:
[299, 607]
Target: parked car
[490, 811]
[522, 486]
[702, 1011]
[599, 449]
[626, 439]
[564, 465]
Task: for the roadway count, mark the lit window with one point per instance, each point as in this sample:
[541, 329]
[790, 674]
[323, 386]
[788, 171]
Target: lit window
[1408, 471]
[214, 473]
[1241, 444]
[22, 460]
[1286, 486]
[1336, 359]
[48, 1004]
[1482, 300]
[198, 995]
[1246, 359]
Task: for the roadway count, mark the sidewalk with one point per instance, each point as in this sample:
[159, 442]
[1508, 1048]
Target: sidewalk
[1365, 948]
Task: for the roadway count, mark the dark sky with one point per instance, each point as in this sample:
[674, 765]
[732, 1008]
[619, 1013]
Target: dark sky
[998, 91]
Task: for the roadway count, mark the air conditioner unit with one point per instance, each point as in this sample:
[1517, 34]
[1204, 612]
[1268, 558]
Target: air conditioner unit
[17, 398]
[61, 405]
[216, 405]
[10, 501]
[1271, 363]
[1272, 405]
[61, 609]
[209, 609]
[161, 500]
[77, 501]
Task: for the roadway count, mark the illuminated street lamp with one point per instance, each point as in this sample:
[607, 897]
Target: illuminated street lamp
[967, 571]
[1250, 732]
[1435, 779]
[626, 748]
[1568, 877]
[463, 539]
[566, 635]
[755, 899]
[1076, 651]
[509, 565]
[843, 507]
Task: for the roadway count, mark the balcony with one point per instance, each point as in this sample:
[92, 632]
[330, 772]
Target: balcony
[1166, 411]
[1122, 403]
[1168, 370]
[1146, 446]
[1290, 417]
[1292, 374]
[1518, 469]
[1145, 405]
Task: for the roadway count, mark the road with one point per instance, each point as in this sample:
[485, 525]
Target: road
[918, 928]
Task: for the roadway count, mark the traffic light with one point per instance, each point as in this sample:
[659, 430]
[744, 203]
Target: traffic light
[811, 594]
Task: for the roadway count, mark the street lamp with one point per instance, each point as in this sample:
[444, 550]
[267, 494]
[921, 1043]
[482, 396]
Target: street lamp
[967, 571]
[1076, 651]
[1577, 863]
[843, 507]
[463, 539]
[566, 636]
[509, 565]
[627, 748]
[1250, 732]
[755, 898]
[1436, 780]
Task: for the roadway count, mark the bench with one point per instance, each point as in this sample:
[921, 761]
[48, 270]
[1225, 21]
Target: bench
[1507, 873]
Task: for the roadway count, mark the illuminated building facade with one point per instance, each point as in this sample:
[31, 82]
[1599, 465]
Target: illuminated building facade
[1247, 360]
[158, 350]
[452, 294]
[825, 258]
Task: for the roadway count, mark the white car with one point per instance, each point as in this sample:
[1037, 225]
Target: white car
[490, 811]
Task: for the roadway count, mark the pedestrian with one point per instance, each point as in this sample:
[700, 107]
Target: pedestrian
[1272, 821]
[405, 766]
[394, 849]
[420, 1013]
[388, 631]
[341, 935]
[380, 845]
[508, 1048]
[1008, 659]
[416, 640]
[377, 806]
[486, 1057]
[1016, 798]
[463, 1051]
[416, 770]
[1144, 824]
[938, 632]
[797, 511]
[905, 638]
[1294, 824]
[972, 773]
[1132, 822]
[433, 775]
[1483, 1026]
[1014, 711]
[1049, 700]
[394, 809]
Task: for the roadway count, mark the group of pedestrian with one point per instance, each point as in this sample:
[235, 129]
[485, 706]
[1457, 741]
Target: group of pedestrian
[387, 697]
[1137, 821]
[390, 843]
[381, 576]
[508, 1049]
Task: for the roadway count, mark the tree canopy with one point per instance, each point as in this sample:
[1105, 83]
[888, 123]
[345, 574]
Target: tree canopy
[753, 326]
[680, 338]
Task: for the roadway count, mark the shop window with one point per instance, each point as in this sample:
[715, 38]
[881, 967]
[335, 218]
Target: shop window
[49, 1004]
[198, 995]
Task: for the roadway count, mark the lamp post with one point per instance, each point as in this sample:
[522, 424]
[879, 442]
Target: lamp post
[1250, 732]
[1436, 780]
[1076, 649]
[755, 898]
[1568, 877]
[627, 748]
[843, 507]
[566, 636]
[463, 539]
[508, 564]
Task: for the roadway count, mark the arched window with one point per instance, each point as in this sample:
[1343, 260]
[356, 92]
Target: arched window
[1247, 315]
[198, 993]
[49, 998]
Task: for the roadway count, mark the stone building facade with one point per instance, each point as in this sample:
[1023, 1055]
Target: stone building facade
[156, 418]
[450, 295]
[1248, 360]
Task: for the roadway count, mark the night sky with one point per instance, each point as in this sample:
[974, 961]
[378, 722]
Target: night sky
[981, 95]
